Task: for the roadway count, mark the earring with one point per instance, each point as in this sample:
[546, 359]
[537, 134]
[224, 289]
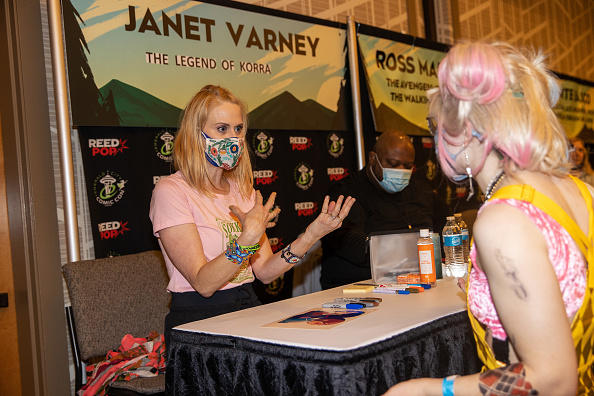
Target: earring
[469, 173]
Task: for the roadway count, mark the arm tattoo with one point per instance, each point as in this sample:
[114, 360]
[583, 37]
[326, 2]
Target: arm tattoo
[509, 380]
[511, 274]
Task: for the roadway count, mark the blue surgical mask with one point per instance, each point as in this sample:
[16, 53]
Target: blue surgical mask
[456, 178]
[394, 180]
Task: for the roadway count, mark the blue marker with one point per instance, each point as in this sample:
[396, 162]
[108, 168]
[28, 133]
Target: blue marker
[342, 305]
[423, 285]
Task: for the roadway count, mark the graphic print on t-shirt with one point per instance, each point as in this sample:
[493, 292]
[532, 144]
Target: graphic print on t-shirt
[231, 230]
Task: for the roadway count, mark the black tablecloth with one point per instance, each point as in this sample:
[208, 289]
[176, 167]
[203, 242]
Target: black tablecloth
[206, 364]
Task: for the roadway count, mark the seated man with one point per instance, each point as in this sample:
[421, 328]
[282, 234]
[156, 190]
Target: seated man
[387, 199]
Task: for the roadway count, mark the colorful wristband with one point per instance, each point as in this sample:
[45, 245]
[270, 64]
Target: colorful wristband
[290, 257]
[236, 254]
[447, 386]
[252, 249]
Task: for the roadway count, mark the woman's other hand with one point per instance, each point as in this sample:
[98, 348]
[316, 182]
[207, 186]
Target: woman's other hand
[255, 222]
[331, 216]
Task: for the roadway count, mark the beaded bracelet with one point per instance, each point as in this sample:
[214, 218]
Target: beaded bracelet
[291, 257]
[237, 254]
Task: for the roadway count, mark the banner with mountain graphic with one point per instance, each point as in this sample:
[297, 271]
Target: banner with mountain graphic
[138, 62]
[575, 110]
[398, 76]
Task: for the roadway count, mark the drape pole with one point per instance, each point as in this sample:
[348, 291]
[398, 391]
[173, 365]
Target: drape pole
[63, 126]
[355, 90]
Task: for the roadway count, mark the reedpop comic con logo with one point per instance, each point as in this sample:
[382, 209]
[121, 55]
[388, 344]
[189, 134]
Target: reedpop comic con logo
[335, 144]
[300, 143]
[262, 144]
[303, 175]
[306, 208]
[112, 229]
[276, 244]
[163, 144]
[108, 188]
[335, 174]
[265, 177]
[275, 287]
[107, 147]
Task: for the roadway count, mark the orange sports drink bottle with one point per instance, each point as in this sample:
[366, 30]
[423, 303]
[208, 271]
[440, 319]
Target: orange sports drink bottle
[426, 258]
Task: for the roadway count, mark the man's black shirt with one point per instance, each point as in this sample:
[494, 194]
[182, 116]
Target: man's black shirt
[344, 250]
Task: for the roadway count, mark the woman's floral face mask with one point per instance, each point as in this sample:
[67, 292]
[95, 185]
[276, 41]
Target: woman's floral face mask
[223, 153]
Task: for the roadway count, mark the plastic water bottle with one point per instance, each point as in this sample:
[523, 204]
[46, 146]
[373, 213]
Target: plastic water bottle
[437, 254]
[465, 238]
[452, 246]
[426, 260]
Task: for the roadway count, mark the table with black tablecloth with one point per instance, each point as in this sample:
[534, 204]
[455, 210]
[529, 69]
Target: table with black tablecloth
[407, 336]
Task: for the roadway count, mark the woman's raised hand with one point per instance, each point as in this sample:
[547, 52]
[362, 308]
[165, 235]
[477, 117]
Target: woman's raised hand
[331, 216]
[255, 222]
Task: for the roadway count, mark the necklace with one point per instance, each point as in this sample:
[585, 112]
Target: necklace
[494, 183]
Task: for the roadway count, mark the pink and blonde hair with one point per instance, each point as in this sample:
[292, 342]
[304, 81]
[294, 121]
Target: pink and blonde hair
[506, 95]
[188, 147]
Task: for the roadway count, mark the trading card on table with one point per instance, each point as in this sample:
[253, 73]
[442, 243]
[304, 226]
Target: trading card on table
[321, 319]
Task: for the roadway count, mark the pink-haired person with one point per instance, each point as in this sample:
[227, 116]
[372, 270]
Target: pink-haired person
[529, 288]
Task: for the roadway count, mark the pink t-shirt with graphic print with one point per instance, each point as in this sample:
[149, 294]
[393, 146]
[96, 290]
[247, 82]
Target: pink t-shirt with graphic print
[564, 255]
[174, 202]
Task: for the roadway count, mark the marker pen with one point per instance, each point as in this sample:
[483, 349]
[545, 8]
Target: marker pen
[366, 304]
[419, 289]
[386, 290]
[366, 299]
[391, 288]
[392, 285]
[342, 305]
[423, 285]
[414, 290]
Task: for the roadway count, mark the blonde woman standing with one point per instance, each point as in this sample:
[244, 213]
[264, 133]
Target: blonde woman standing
[209, 221]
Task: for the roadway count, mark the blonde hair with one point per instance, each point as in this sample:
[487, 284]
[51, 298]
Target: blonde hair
[506, 95]
[189, 150]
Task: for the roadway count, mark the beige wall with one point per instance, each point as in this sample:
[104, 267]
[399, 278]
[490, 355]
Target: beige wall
[563, 28]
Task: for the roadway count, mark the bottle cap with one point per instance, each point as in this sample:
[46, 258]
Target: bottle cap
[424, 233]
[450, 218]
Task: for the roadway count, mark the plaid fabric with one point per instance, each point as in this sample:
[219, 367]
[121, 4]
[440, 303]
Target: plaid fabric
[582, 327]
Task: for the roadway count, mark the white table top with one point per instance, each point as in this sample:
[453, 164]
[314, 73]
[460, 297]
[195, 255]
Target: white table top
[395, 314]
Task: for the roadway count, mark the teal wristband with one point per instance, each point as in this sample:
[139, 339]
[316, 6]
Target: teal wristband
[447, 386]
